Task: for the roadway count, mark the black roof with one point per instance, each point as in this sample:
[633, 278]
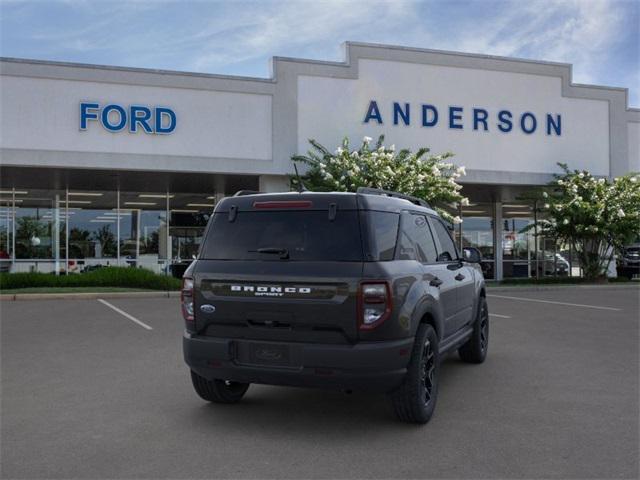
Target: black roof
[247, 201]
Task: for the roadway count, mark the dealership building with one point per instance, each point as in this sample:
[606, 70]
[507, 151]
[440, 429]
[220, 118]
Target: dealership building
[106, 165]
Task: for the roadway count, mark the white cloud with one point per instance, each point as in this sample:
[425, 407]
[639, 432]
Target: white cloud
[237, 37]
[580, 32]
[274, 27]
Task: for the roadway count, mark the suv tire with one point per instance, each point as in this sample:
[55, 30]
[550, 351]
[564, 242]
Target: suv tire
[415, 400]
[218, 391]
[475, 350]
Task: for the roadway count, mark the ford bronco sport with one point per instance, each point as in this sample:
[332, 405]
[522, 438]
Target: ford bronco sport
[361, 291]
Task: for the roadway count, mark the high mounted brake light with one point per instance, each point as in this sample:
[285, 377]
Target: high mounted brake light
[284, 204]
[374, 304]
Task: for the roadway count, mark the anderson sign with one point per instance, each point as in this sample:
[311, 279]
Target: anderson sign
[460, 118]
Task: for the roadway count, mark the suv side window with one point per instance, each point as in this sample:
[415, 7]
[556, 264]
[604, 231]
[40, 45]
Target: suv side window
[384, 232]
[446, 248]
[416, 242]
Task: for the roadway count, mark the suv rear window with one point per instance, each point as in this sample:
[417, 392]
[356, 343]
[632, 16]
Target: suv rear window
[305, 235]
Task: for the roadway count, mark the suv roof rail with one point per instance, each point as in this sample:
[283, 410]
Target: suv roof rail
[242, 193]
[389, 193]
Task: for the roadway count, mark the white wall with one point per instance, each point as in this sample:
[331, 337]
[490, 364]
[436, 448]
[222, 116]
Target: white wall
[43, 114]
[633, 137]
[329, 108]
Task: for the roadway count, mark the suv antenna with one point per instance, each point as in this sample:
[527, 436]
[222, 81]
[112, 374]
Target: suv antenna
[301, 187]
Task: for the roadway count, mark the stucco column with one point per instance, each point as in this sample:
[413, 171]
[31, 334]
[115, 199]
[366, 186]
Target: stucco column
[274, 183]
[497, 240]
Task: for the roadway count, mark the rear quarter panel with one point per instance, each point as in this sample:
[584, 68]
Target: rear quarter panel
[413, 298]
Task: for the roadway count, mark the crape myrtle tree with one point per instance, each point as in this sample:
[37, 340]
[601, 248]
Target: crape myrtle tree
[430, 177]
[597, 217]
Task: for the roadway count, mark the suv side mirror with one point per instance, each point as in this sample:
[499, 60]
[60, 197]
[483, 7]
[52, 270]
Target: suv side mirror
[472, 255]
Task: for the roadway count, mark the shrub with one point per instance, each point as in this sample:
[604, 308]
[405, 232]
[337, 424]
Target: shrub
[103, 277]
[594, 215]
[430, 177]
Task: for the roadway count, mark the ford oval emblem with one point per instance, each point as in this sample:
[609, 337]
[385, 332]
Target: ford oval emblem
[206, 308]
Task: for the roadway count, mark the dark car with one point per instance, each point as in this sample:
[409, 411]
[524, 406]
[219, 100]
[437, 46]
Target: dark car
[628, 264]
[361, 291]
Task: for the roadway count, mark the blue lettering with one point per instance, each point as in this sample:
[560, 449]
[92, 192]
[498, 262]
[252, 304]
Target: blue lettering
[557, 125]
[399, 112]
[105, 118]
[425, 115]
[85, 114]
[455, 113]
[162, 112]
[480, 115]
[139, 115]
[373, 113]
[523, 123]
[505, 124]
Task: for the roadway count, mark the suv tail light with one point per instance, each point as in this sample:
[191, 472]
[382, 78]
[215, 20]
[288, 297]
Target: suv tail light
[186, 300]
[374, 304]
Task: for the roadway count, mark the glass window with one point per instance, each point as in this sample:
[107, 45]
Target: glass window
[93, 230]
[189, 214]
[416, 240]
[144, 232]
[518, 240]
[446, 247]
[478, 232]
[300, 235]
[384, 232]
[6, 230]
[39, 230]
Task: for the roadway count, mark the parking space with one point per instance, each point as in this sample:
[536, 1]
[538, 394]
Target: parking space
[87, 392]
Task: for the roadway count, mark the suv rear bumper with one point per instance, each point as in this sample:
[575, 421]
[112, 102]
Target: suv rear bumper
[368, 366]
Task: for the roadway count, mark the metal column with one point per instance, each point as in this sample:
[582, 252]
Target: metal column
[497, 239]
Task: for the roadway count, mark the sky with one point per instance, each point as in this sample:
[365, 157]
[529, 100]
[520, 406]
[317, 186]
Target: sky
[600, 38]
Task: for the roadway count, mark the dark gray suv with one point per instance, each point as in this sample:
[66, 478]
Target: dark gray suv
[361, 291]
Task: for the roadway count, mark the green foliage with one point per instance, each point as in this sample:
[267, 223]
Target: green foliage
[430, 177]
[101, 277]
[596, 216]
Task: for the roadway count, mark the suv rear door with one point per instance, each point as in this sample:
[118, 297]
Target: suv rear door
[286, 272]
[416, 242]
[460, 275]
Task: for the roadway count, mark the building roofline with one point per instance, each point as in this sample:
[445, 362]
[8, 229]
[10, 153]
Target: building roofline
[118, 68]
[347, 62]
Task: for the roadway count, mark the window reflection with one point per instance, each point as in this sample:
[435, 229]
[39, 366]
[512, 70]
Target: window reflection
[518, 240]
[92, 230]
[6, 232]
[478, 231]
[144, 230]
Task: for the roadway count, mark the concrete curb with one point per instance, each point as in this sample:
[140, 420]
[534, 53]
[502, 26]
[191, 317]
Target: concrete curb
[86, 296]
[538, 288]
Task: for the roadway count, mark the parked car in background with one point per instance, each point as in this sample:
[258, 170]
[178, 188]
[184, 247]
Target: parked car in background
[628, 263]
[553, 265]
[5, 261]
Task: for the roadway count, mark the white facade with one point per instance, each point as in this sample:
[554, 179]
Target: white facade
[108, 165]
[584, 134]
[253, 126]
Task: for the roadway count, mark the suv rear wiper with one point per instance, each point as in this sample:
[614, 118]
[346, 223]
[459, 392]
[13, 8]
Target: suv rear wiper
[283, 252]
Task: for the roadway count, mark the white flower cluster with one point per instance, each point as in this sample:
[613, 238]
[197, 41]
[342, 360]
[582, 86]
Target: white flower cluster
[593, 214]
[431, 177]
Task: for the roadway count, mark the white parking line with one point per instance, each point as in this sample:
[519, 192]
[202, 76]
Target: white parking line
[125, 314]
[556, 303]
[498, 316]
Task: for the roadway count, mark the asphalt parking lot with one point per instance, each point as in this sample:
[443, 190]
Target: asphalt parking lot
[89, 393]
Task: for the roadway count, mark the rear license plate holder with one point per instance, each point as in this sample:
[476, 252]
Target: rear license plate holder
[267, 354]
